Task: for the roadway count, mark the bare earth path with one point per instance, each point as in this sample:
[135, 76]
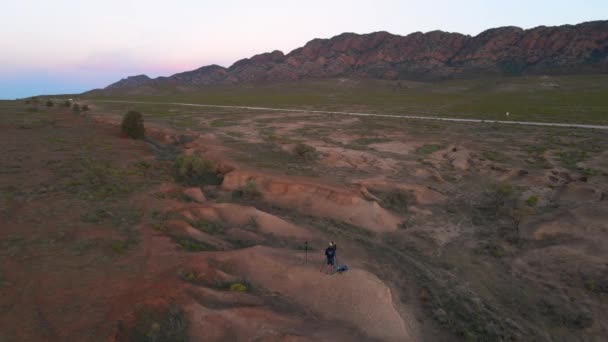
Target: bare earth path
[414, 117]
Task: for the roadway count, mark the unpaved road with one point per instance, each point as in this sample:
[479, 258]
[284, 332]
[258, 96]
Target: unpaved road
[414, 117]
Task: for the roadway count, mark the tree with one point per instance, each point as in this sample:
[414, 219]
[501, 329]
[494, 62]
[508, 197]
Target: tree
[133, 125]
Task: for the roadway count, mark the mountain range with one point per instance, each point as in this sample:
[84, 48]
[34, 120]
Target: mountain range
[436, 55]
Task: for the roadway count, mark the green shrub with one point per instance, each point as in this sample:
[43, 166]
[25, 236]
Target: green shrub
[249, 191]
[76, 108]
[238, 287]
[305, 151]
[50, 103]
[133, 125]
[85, 108]
[67, 104]
[193, 170]
[532, 201]
[396, 201]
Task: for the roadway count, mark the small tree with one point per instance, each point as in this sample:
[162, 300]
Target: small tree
[49, 103]
[133, 125]
[76, 108]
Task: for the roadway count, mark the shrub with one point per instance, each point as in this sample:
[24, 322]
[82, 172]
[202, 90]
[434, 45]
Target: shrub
[396, 201]
[50, 103]
[532, 201]
[305, 151]
[67, 104]
[85, 108]
[133, 125]
[76, 108]
[157, 324]
[248, 191]
[238, 287]
[193, 170]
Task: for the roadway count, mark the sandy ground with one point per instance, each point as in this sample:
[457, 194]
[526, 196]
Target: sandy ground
[441, 225]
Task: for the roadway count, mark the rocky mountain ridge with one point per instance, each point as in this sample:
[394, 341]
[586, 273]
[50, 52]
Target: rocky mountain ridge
[435, 55]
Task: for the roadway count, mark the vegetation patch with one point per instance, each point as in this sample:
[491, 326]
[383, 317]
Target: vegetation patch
[563, 315]
[532, 201]
[495, 156]
[238, 286]
[428, 149]
[122, 246]
[93, 178]
[249, 191]
[493, 249]
[305, 152]
[569, 159]
[395, 200]
[191, 245]
[158, 324]
[210, 227]
[192, 170]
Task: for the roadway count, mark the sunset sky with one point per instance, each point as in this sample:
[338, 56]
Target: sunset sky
[67, 46]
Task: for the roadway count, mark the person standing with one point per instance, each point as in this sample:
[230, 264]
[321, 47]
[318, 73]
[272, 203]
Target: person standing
[330, 255]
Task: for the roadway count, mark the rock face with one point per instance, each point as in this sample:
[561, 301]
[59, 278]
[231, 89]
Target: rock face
[581, 48]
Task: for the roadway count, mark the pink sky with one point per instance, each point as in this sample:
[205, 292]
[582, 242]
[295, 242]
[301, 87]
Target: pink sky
[73, 46]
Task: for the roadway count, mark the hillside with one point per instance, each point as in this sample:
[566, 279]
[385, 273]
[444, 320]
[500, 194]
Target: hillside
[436, 55]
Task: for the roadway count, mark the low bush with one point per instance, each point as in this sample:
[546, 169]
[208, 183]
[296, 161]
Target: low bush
[249, 191]
[193, 170]
[50, 103]
[133, 125]
[238, 287]
[158, 324]
[85, 108]
[76, 108]
[532, 201]
[304, 151]
[396, 201]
